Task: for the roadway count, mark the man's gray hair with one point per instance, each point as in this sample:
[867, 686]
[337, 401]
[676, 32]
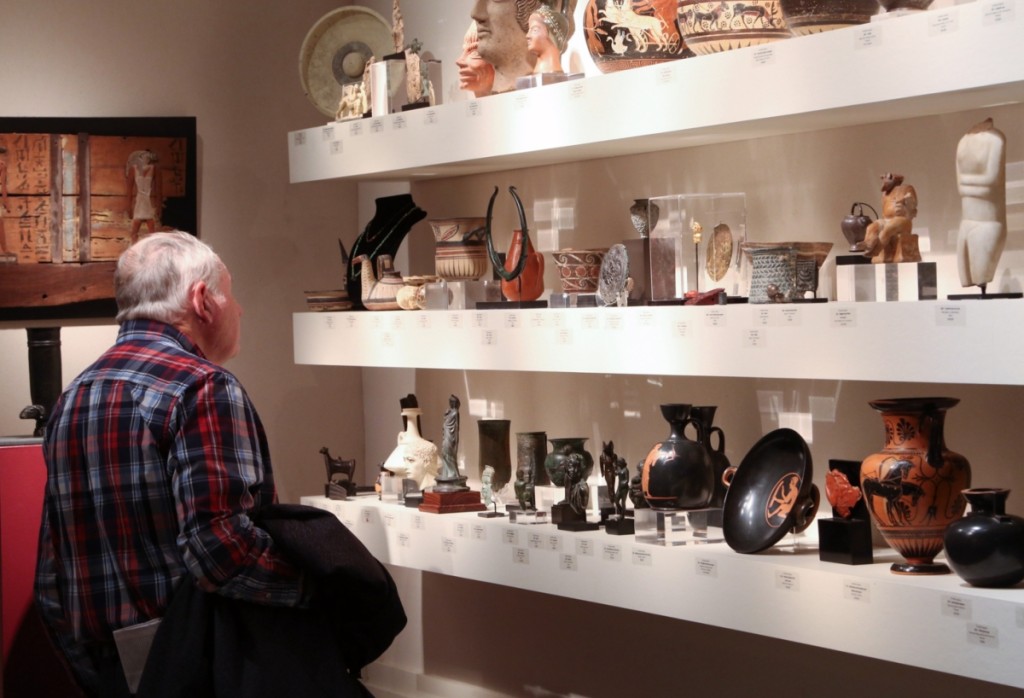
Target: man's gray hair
[154, 276]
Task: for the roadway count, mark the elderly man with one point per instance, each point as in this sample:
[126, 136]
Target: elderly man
[156, 461]
[501, 32]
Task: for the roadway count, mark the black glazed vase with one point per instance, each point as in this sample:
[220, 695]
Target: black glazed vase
[703, 418]
[986, 547]
[678, 473]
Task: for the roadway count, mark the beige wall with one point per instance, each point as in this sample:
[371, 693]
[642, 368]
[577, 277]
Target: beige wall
[234, 66]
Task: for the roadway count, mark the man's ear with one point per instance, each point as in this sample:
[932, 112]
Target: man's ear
[202, 305]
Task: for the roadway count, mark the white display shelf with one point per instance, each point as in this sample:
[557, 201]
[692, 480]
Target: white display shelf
[972, 342]
[937, 623]
[965, 57]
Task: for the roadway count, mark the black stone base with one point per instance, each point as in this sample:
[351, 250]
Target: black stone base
[845, 541]
[620, 527]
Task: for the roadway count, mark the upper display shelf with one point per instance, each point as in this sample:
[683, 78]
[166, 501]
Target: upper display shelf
[965, 57]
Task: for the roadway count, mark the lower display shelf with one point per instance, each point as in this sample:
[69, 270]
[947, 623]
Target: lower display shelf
[938, 623]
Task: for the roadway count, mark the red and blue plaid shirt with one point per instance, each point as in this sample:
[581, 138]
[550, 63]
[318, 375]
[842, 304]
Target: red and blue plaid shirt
[155, 458]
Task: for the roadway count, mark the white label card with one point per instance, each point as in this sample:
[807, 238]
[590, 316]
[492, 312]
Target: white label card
[454, 320]
[983, 635]
[764, 55]
[844, 317]
[756, 339]
[479, 532]
[943, 23]
[706, 567]
[646, 319]
[554, 543]
[327, 133]
[534, 541]
[377, 126]
[578, 89]
[460, 529]
[567, 562]
[418, 523]
[430, 117]
[868, 36]
[682, 328]
[613, 321]
[787, 581]
[714, 318]
[951, 316]
[398, 122]
[856, 590]
[489, 338]
[511, 320]
[404, 541]
[389, 520]
[589, 321]
[448, 545]
[956, 607]
[643, 557]
[510, 536]
[423, 321]
[665, 75]
[612, 553]
[479, 320]
[300, 138]
[520, 556]
[585, 547]
[998, 12]
[366, 514]
[355, 129]
[473, 108]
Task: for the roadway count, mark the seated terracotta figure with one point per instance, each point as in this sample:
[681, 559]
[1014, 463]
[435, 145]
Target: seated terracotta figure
[889, 239]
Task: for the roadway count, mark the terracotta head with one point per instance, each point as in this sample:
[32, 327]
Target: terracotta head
[475, 74]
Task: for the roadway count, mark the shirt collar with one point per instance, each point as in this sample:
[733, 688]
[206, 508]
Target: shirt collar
[157, 331]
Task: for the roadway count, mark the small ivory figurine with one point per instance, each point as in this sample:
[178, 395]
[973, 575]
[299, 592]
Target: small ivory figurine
[981, 176]
[889, 239]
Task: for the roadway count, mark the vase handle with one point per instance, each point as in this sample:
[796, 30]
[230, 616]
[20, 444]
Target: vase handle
[499, 268]
[721, 439]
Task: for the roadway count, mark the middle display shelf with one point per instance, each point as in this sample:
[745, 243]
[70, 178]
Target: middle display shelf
[960, 342]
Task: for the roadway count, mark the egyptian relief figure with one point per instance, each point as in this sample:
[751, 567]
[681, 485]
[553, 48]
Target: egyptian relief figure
[475, 74]
[501, 30]
[889, 239]
[546, 37]
[5, 254]
[981, 175]
[143, 177]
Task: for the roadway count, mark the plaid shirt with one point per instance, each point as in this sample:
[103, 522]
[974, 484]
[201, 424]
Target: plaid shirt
[155, 457]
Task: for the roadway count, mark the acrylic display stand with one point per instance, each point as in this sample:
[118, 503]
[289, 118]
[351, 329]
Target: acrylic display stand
[693, 527]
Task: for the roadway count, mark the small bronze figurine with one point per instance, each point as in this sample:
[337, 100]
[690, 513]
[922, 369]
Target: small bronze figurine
[341, 474]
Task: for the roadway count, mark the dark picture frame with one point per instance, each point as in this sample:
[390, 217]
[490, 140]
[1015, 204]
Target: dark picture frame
[69, 206]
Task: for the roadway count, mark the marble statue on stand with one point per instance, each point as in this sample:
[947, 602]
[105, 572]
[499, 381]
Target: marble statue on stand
[981, 178]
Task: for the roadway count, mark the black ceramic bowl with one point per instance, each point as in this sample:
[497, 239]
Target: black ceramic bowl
[770, 493]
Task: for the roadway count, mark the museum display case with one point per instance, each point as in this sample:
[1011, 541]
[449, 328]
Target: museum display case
[833, 80]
